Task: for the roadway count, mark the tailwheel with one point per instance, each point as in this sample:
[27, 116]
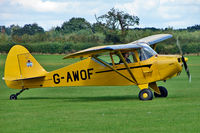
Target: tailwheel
[163, 91]
[13, 97]
[145, 94]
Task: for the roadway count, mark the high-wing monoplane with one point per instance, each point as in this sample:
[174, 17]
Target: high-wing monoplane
[135, 63]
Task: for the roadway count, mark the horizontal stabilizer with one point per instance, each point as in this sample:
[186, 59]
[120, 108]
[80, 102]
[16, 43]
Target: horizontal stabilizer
[14, 79]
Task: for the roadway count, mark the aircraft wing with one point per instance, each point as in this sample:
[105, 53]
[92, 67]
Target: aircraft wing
[154, 39]
[100, 49]
[133, 45]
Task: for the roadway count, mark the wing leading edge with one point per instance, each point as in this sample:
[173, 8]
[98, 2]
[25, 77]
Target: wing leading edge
[100, 49]
[150, 40]
[154, 39]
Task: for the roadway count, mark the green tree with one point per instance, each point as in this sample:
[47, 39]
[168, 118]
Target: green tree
[32, 29]
[98, 27]
[29, 29]
[193, 28]
[74, 25]
[115, 19]
[15, 29]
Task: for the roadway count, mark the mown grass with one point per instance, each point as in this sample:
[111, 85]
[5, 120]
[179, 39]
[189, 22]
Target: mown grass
[101, 109]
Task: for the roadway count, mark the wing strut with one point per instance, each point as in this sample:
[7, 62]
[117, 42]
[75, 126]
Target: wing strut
[126, 65]
[114, 69]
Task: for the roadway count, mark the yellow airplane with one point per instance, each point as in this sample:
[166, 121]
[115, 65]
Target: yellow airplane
[135, 63]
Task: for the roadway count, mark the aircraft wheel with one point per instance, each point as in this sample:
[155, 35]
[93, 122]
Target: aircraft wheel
[13, 97]
[163, 91]
[146, 94]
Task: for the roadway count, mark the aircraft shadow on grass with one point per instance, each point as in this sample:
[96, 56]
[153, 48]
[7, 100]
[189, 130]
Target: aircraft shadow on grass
[96, 99]
[85, 99]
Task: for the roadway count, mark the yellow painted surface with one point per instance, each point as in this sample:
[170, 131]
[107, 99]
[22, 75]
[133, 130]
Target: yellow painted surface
[19, 73]
[29, 66]
[20, 64]
[143, 86]
[144, 95]
[168, 66]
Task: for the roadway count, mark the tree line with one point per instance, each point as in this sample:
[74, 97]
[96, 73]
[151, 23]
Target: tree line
[114, 27]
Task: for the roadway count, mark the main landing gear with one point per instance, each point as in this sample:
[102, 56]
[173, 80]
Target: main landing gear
[163, 91]
[146, 94]
[14, 96]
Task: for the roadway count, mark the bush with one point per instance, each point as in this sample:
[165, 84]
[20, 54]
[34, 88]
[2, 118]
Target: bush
[54, 42]
[49, 47]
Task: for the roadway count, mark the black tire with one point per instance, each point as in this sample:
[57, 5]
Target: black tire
[163, 91]
[13, 97]
[146, 94]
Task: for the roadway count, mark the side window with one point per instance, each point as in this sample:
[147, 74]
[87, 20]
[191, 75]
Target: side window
[105, 58]
[129, 56]
[109, 58]
[126, 56]
[115, 59]
[133, 56]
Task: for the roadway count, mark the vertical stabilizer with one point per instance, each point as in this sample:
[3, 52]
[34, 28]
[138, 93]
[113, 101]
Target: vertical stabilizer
[20, 64]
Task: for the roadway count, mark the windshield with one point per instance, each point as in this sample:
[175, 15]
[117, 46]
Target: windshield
[114, 58]
[146, 52]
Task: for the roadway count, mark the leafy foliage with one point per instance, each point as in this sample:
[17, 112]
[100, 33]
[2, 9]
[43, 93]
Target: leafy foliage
[30, 29]
[76, 34]
[115, 19]
[74, 25]
[193, 28]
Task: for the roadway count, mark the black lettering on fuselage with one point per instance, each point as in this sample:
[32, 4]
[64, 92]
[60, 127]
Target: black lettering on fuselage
[83, 74]
[56, 78]
[79, 75]
[69, 77]
[76, 75]
[89, 73]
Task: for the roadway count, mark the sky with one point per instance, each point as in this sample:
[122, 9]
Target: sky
[52, 13]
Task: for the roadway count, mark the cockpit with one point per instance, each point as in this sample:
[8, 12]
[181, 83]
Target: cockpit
[143, 52]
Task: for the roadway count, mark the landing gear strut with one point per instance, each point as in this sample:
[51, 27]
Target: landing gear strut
[14, 96]
[163, 91]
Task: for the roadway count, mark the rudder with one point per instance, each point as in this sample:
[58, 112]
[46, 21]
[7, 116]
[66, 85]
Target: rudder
[20, 64]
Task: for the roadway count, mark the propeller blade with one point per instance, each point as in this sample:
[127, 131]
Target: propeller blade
[186, 68]
[183, 59]
[179, 46]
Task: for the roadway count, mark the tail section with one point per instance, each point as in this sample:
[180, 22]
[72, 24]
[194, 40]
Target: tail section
[21, 65]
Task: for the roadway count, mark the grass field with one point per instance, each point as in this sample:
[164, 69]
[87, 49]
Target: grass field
[101, 109]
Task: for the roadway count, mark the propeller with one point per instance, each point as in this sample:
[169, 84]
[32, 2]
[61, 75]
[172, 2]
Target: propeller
[183, 60]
